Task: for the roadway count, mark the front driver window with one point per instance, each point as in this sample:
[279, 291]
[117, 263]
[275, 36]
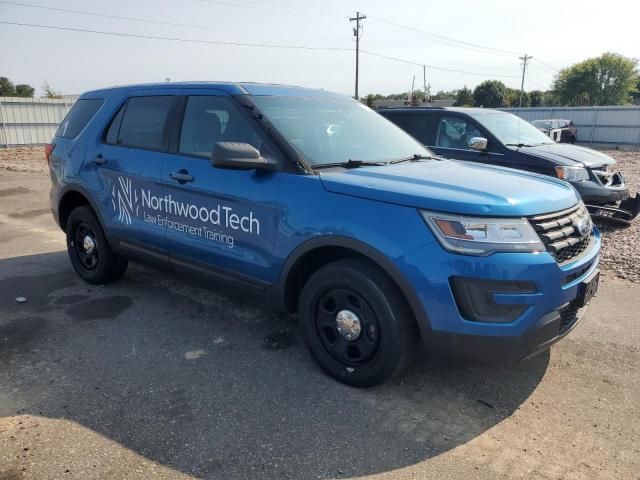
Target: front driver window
[210, 119]
[454, 132]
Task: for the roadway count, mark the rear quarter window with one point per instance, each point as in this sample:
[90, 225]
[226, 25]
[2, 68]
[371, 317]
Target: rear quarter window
[78, 117]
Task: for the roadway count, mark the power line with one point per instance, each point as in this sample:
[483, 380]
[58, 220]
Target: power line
[289, 7]
[539, 85]
[116, 17]
[409, 62]
[450, 41]
[244, 44]
[177, 39]
[547, 67]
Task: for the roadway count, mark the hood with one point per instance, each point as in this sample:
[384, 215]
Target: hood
[455, 187]
[570, 155]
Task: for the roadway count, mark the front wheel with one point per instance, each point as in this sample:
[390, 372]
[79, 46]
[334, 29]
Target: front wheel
[90, 254]
[356, 323]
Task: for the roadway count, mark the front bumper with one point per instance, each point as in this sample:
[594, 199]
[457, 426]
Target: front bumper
[592, 191]
[545, 320]
[548, 330]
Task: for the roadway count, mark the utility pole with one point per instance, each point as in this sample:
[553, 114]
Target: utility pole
[424, 84]
[524, 59]
[413, 83]
[356, 33]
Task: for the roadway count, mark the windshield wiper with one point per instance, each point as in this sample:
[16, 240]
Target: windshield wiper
[413, 158]
[350, 164]
[519, 145]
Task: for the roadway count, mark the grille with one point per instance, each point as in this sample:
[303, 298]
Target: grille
[569, 315]
[559, 234]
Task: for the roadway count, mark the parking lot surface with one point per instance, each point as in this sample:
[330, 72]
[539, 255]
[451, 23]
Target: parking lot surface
[156, 377]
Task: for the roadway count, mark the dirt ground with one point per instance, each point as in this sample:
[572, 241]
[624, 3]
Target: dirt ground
[154, 377]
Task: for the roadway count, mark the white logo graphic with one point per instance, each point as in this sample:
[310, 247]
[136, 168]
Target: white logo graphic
[123, 199]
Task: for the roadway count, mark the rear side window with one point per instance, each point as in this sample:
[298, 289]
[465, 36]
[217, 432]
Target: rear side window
[143, 123]
[414, 125]
[78, 117]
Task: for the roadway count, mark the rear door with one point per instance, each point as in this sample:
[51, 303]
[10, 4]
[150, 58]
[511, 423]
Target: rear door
[416, 124]
[220, 222]
[128, 163]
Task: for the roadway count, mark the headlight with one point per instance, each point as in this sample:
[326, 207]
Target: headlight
[483, 236]
[572, 174]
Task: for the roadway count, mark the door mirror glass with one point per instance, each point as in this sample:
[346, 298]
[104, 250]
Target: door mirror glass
[478, 143]
[239, 155]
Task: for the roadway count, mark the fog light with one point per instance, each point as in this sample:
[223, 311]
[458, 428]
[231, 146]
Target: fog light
[475, 301]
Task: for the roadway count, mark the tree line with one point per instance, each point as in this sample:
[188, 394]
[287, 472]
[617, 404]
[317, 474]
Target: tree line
[610, 79]
[8, 89]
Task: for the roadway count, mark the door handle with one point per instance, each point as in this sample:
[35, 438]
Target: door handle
[181, 176]
[99, 160]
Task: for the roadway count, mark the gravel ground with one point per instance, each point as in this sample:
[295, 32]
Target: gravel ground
[620, 252]
[620, 247]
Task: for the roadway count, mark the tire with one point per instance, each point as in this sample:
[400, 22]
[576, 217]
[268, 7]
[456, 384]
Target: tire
[387, 336]
[89, 251]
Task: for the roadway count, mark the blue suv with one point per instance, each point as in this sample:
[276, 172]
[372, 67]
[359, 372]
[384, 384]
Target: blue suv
[310, 201]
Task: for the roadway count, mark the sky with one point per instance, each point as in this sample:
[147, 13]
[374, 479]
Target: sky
[461, 42]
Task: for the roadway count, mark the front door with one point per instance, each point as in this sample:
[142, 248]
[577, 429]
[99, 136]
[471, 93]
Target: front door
[219, 221]
[451, 138]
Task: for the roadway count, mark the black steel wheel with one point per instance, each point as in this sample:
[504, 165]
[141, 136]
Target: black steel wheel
[347, 326]
[86, 246]
[357, 323]
[89, 251]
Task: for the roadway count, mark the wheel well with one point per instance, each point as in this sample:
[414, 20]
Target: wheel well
[312, 261]
[70, 201]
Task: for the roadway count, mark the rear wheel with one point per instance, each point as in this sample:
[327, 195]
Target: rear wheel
[90, 254]
[356, 323]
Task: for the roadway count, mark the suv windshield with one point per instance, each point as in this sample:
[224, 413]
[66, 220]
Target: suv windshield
[331, 130]
[512, 130]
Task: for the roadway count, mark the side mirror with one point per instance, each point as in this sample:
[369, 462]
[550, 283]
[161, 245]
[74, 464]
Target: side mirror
[478, 143]
[240, 156]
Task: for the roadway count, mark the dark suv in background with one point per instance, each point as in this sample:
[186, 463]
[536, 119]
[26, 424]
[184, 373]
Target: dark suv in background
[499, 138]
[561, 131]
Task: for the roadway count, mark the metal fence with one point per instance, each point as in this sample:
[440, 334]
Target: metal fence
[605, 125]
[33, 121]
[30, 121]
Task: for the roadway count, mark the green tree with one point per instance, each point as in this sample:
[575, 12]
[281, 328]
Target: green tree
[49, 92]
[512, 98]
[24, 90]
[446, 95]
[464, 97]
[7, 88]
[636, 92]
[604, 80]
[490, 94]
[536, 98]
[368, 100]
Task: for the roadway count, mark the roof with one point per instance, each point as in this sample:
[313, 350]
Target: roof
[467, 110]
[237, 88]
[551, 120]
[400, 103]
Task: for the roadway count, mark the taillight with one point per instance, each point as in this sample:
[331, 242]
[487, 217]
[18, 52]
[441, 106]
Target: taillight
[48, 150]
